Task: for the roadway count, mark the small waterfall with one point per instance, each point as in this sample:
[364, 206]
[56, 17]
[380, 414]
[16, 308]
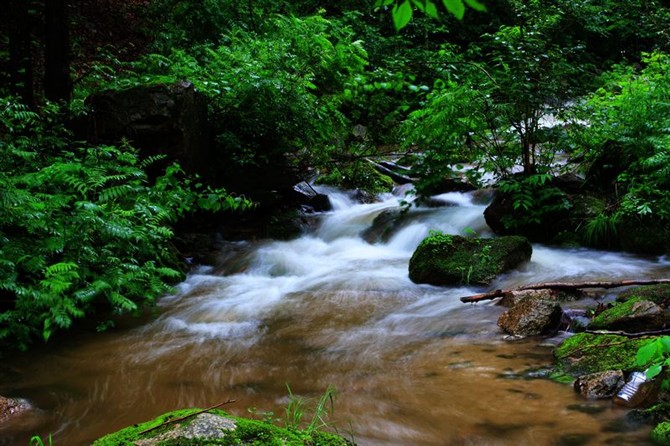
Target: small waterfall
[332, 308]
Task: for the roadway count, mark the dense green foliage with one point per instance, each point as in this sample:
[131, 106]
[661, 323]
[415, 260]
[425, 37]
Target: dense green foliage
[506, 95]
[83, 232]
[629, 122]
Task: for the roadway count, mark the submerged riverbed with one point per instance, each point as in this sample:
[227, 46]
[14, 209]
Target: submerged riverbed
[412, 365]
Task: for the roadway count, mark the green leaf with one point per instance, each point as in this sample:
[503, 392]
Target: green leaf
[456, 7]
[654, 370]
[431, 9]
[665, 343]
[401, 14]
[474, 4]
[646, 353]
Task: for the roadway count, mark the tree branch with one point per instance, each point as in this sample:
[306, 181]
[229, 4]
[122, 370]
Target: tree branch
[561, 286]
[174, 420]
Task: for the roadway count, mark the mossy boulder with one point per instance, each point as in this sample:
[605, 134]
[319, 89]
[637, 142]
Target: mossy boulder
[442, 259]
[590, 353]
[659, 294]
[633, 315]
[191, 427]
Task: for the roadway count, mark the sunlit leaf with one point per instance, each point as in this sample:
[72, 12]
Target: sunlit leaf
[654, 370]
[456, 7]
[402, 14]
[477, 6]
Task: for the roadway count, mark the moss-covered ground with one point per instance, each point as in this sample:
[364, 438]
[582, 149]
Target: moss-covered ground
[589, 353]
[247, 432]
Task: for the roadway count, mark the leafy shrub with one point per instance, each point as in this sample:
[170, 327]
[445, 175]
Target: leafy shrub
[275, 94]
[84, 234]
[631, 112]
[533, 199]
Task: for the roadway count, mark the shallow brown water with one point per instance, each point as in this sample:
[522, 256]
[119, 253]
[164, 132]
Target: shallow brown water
[411, 364]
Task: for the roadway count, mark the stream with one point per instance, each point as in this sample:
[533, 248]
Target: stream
[412, 365]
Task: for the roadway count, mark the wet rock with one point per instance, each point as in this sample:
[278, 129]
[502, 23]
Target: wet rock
[364, 196]
[311, 200]
[511, 298]
[443, 259]
[449, 185]
[383, 225]
[157, 119]
[655, 414]
[659, 294]
[631, 316]
[570, 183]
[600, 385]
[530, 317]
[504, 219]
[589, 409]
[11, 407]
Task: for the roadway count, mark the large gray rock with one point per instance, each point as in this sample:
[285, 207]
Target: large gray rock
[442, 259]
[157, 119]
[531, 317]
[600, 385]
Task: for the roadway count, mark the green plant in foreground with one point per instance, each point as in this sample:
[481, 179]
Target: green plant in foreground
[295, 411]
[85, 234]
[36, 440]
[654, 355]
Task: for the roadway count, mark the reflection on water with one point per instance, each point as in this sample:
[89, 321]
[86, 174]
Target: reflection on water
[412, 365]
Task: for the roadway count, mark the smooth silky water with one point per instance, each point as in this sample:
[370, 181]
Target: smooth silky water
[412, 365]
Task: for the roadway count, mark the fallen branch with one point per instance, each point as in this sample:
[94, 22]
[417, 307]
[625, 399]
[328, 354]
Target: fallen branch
[561, 286]
[174, 420]
[639, 334]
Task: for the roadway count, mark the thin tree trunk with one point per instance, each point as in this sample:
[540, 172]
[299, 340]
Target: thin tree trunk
[57, 83]
[561, 286]
[20, 61]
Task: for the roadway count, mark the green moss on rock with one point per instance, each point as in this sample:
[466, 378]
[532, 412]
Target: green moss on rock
[661, 433]
[443, 259]
[659, 294]
[589, 353]
[633, 315]
[239, 431]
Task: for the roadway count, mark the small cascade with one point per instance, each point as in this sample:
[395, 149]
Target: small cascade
[332, 308]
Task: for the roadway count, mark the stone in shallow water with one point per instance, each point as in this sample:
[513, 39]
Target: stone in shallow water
[600, 385]
[531, 317]
[589, 409]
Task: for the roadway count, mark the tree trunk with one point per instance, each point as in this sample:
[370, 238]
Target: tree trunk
[561, 286]
[57, 83]
[20, 63]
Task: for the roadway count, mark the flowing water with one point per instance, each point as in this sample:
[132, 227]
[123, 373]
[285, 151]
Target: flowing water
[412, 365]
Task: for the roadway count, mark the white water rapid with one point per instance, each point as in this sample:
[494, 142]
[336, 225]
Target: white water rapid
[412, 364]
